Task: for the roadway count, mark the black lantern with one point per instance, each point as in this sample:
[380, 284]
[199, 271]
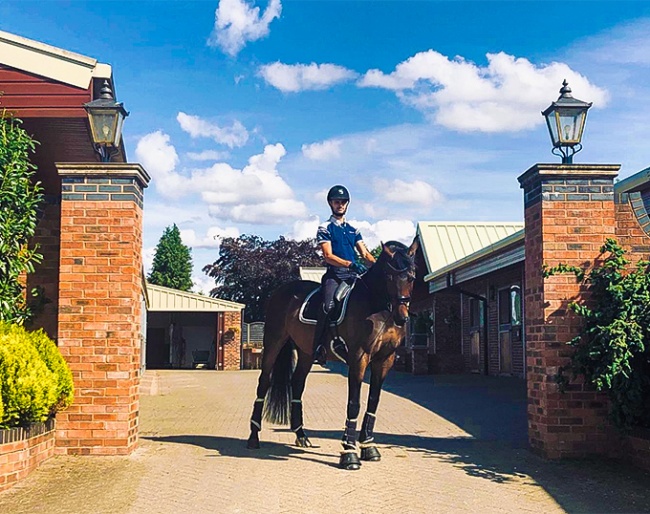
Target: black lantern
[106, 117]
[566, 121]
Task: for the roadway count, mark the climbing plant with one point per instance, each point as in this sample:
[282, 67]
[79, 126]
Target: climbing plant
[20, 198]
[612, 351]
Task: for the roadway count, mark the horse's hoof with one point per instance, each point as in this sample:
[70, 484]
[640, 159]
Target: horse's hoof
[253, 444]
[371, 454]
[349, 461]
[303, 442]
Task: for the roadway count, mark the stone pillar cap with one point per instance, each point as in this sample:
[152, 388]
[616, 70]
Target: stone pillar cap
[103, 169]
[577, 171]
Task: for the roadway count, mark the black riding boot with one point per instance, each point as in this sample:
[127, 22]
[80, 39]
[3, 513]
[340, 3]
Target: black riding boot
[320, 351]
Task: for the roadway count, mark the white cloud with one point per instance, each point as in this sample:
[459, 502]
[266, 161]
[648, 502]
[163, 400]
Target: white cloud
[385, 230]
[211, 239]
[292, 78]
[158, 156]
[147, 258]
[255, 194]
[416, 192]
[507, 95]
[203, 284]
[208, 155]
[304, 229]
[238, 22]
[234, 136]
[325, 151]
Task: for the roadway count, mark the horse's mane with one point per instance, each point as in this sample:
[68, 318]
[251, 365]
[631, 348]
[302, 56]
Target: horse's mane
[401, 260]
[375, 279]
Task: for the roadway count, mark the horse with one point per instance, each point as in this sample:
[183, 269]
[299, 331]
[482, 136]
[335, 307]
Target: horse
[373, 327]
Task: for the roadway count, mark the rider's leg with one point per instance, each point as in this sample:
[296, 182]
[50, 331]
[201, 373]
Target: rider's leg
[329, 286]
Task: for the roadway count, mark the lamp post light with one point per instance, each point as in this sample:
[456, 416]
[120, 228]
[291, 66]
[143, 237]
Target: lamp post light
[106, 117]
[566, 121]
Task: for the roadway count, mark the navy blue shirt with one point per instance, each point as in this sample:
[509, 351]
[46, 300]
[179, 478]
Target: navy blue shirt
[344, 238]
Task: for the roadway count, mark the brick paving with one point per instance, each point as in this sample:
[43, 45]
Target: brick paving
[449, 444]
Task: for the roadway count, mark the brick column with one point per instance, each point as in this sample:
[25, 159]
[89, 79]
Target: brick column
[100, 302]
[232, 340]
[569, 211]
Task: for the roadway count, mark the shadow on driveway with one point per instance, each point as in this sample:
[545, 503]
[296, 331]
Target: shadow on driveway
[589, 486]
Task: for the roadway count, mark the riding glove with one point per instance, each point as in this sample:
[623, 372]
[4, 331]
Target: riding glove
[358, 268]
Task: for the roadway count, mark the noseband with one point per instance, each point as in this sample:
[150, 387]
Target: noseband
[401, 299]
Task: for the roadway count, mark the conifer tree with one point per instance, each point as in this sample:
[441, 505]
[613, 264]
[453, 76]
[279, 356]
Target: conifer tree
[172, 263]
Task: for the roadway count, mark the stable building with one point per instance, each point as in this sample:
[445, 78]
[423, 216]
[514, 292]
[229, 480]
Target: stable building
[189, 330]
[467, 312]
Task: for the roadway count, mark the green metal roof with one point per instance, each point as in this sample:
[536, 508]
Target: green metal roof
[446, 243]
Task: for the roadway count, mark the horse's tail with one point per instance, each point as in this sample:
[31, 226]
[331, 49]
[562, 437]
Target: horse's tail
[278, 397]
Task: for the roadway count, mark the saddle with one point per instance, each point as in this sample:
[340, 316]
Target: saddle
[314, 301]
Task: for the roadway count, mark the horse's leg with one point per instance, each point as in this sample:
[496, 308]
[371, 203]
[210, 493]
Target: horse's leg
[349, 458]
[378, 372]
[271, 351]
[298, 381]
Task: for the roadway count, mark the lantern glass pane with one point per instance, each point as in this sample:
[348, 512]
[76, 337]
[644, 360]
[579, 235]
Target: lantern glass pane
[551, 121]
[570, 125]
[104, 124]
[118, 129]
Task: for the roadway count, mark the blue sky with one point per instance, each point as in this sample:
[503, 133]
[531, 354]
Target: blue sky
[245, 112]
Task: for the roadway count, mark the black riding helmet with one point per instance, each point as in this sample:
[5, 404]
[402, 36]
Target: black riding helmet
[338, 193]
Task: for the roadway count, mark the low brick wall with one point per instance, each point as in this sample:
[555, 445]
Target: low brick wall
[633, 447]
[22, 450]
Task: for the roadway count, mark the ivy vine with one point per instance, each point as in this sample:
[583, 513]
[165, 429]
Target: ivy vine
[612, 351]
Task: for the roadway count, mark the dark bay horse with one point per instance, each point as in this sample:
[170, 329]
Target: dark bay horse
[373, 327]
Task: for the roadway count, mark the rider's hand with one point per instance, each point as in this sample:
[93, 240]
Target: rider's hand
[358, 268]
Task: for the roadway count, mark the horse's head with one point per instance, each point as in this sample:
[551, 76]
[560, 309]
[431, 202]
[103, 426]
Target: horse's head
[398, 263]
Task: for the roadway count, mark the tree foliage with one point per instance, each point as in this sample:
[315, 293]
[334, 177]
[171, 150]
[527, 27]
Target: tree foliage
[250, 268]
[19, 203]
[172, 262]
[612, 351]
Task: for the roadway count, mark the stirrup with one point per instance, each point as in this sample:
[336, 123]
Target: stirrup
[320, 355]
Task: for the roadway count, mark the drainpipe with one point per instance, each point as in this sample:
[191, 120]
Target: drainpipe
[484, 303]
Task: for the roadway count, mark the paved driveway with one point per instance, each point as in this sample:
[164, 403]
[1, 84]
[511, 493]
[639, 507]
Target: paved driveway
[449, 444]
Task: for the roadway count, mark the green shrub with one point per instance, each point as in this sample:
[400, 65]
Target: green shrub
[35, 381]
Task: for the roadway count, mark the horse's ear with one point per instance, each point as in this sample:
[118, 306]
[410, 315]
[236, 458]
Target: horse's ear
[414, 246]
[386, 249]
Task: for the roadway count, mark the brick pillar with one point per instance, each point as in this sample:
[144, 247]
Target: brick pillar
[100, 302]
[232, 340]
[569, 211]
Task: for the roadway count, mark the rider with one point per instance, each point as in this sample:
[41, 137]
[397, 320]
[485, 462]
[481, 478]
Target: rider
[338, 241]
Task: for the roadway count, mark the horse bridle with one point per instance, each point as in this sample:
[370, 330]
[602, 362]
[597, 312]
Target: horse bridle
[401, 299]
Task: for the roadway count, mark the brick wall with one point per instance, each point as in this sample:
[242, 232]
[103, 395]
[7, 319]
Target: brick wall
[632, 222]
[99, 307]
[232, 340]
[569, 211]
[23, 450]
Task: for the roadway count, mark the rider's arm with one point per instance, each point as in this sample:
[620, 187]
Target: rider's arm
[365, 254]
[330, 258]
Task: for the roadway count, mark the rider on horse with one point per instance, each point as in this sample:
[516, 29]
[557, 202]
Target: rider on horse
[338, 241]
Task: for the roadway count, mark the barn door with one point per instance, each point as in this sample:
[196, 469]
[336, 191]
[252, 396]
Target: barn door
[510, 324]
[476, 328]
